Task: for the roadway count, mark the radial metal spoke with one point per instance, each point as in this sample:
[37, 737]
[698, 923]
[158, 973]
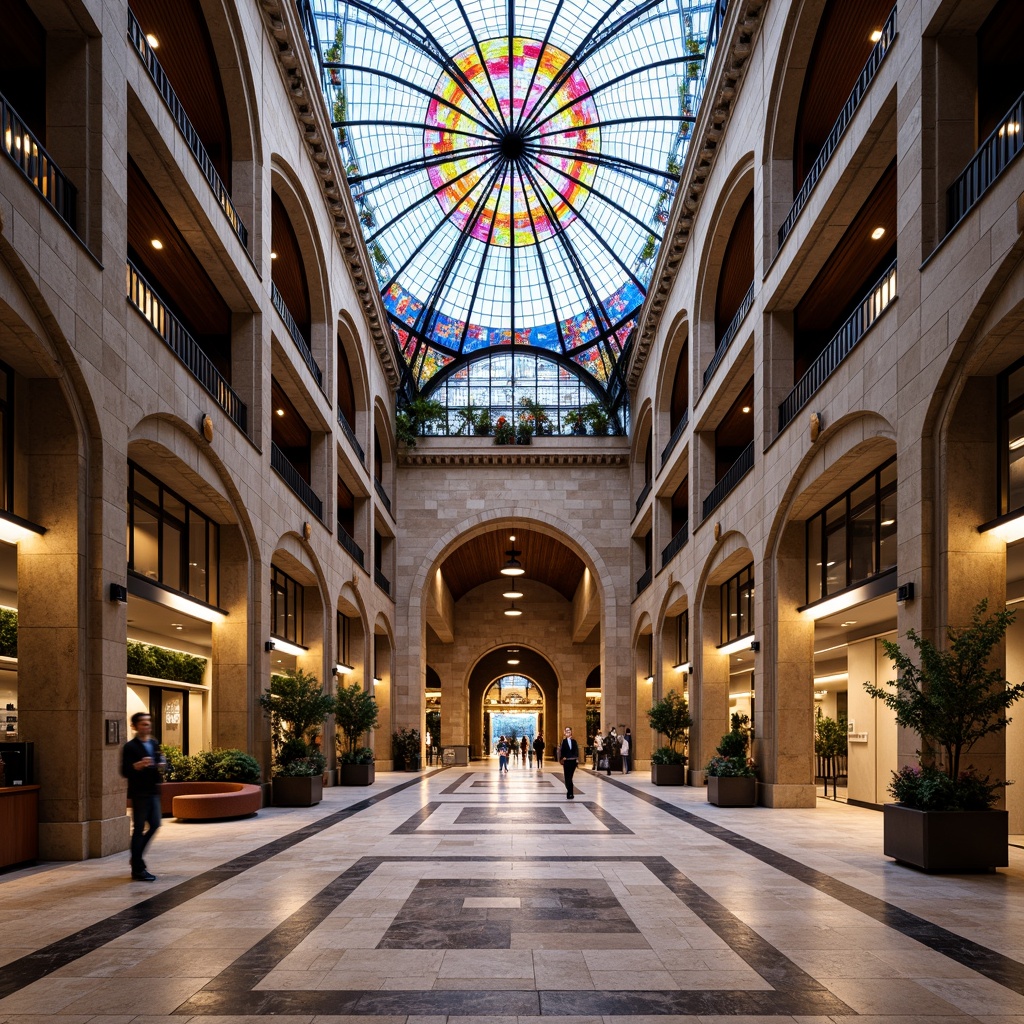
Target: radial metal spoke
[618, 163]
[423, 163]
[537, 62]
[639, 119]
[503, 124]
[418, 126]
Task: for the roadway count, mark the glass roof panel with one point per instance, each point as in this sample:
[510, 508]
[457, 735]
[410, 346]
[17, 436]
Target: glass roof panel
[512, 163]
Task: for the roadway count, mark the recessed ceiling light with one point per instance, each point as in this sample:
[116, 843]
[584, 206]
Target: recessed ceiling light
[177, 625]
[513, 537]
[280, 412]
[152, 40]
[876, 35]
[513, 661]
[888, 522]
[156, 243]
[273, 255]
[849, 622]
[746, 408]
[877, 233]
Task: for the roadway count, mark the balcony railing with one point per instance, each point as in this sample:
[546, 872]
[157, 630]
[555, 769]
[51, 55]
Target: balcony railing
[141, 45]
[183, 345]
[881, 296]
[881, 48]
[381, 493]
[731, 331]
[674, 439]
[280, 464]
[346, 429]
[986, 165]
[675, 544]
[642, 497]
[36, 164]
[296, 335]
[346, 541]
[737, 471]
[382, 581]
[645, 581]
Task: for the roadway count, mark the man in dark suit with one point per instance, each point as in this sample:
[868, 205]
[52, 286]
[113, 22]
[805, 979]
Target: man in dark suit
[142, 765]
[568, 757]
[538, 750]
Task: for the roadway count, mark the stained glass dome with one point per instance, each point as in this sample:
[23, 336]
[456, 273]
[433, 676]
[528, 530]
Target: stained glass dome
[512, 165]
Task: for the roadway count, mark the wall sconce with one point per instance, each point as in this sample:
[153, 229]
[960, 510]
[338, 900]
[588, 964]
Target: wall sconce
[649, 679]
[683, 666]
[755, 646]
[118, 593]
[285, 647]
[341, 669]
[377, 680]
[905, 593]
[269, 646]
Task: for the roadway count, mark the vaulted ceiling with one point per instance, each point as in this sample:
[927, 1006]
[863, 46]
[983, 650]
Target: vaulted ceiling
[545, 559]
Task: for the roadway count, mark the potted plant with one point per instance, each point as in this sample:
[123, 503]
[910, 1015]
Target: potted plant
[669, 716]
[732, 776]
[355, 713]
[943, 818]
[538, 415]
[417, 417]
[524, 430]
[296, 706]
[482, 422]
[596, 417]
[504, 432]
[830, 744]
[405, 745]
[575, 421]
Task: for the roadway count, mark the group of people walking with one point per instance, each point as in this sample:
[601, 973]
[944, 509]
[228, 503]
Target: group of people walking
[607, 748]
[519, 749]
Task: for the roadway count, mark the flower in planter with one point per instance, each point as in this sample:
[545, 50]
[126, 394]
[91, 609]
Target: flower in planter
[504, 432]
[731, 767]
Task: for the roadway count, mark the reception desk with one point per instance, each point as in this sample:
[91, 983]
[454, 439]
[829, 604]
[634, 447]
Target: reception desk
[19, 825]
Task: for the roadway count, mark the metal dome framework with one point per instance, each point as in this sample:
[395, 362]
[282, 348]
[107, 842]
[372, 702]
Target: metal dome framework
[513, 165]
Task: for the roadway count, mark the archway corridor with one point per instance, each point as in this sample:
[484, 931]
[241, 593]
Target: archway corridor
[456, 893]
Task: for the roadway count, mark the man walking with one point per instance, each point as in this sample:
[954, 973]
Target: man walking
[538, 749]
[568, 756]
[142, 765]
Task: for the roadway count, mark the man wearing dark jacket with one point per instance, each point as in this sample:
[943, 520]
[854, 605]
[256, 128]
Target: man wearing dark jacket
[538, 750]
[569, 756]
[142, 765]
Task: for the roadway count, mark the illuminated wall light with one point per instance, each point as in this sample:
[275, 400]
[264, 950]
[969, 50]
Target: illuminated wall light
[649, 679]
[377, 680]
[1017, 443]
[1009, 531]
[877, 233]
[286, 647]
[743, 644]
[14, 529]
[683, 666]
[342, 669]
[835, 677]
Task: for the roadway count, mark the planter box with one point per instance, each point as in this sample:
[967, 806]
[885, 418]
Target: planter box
[732, 791]
[298, 791]
[356, 774]
[412, 764]
[951, 841]
[668, 774]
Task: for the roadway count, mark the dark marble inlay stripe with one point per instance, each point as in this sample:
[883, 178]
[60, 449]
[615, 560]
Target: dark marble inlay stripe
[33, 966]
[988, 962]
[412, 824]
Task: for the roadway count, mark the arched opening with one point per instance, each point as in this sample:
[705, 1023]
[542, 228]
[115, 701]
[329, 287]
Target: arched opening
[737, 274]
[513, 708]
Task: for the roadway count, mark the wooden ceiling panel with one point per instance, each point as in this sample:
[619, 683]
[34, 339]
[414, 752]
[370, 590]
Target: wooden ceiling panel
[545, 559]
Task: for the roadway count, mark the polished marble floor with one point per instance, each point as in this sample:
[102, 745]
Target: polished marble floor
[458, 893]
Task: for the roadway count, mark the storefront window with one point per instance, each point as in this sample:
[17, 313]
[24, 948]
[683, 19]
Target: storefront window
[285, 606]
[854, 537]
[737, 598]
[1011, 439]
[170, 541]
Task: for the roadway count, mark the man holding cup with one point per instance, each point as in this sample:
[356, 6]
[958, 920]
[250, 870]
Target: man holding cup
[142, 764]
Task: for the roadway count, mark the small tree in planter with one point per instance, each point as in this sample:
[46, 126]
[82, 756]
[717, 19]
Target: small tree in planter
[355, 713]
[405, 746]
[944, 820]
[669, 716]
[732, 776]
[296, 706]
[830, 744]
[417, 417]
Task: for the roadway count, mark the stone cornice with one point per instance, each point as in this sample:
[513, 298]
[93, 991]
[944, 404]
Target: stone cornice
[300, 75]
[741, 23]
[491, 454]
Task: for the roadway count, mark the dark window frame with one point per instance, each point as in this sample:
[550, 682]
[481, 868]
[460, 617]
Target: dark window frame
[848, 515]
[737, 601]
[1005, 410]
[294, 597]
[183, 525]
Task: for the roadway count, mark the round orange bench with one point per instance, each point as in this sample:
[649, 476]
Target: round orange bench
[207, 800]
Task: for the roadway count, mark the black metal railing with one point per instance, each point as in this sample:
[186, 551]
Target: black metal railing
[731, 331]
[346, 541]
[382, 581]
[739, 469]
[183, 345]
[346, 429]
[642, 497]
[871, 307]
[645, 581]
[880, 49]
[381, 493]
[32, 159]
[141, 45]
[674, 439]
[675, 544]
[280, 464]
[992, 158]
[296, 335]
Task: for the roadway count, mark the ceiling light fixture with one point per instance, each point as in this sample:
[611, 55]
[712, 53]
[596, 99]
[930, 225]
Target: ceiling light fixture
[513, 595]
[280, 412]
[152, 40]
[512, 567]
[513, 610]
[273, 255]
[513, 661]
[877, 233]
[876, 35]
[1017, 443]
[746, 408]
[156, 243]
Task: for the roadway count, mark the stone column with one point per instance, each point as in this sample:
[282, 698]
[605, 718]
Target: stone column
[234, 711]
[709, 686]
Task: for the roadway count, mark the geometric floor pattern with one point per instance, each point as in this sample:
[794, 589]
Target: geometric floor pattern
[463, 894]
